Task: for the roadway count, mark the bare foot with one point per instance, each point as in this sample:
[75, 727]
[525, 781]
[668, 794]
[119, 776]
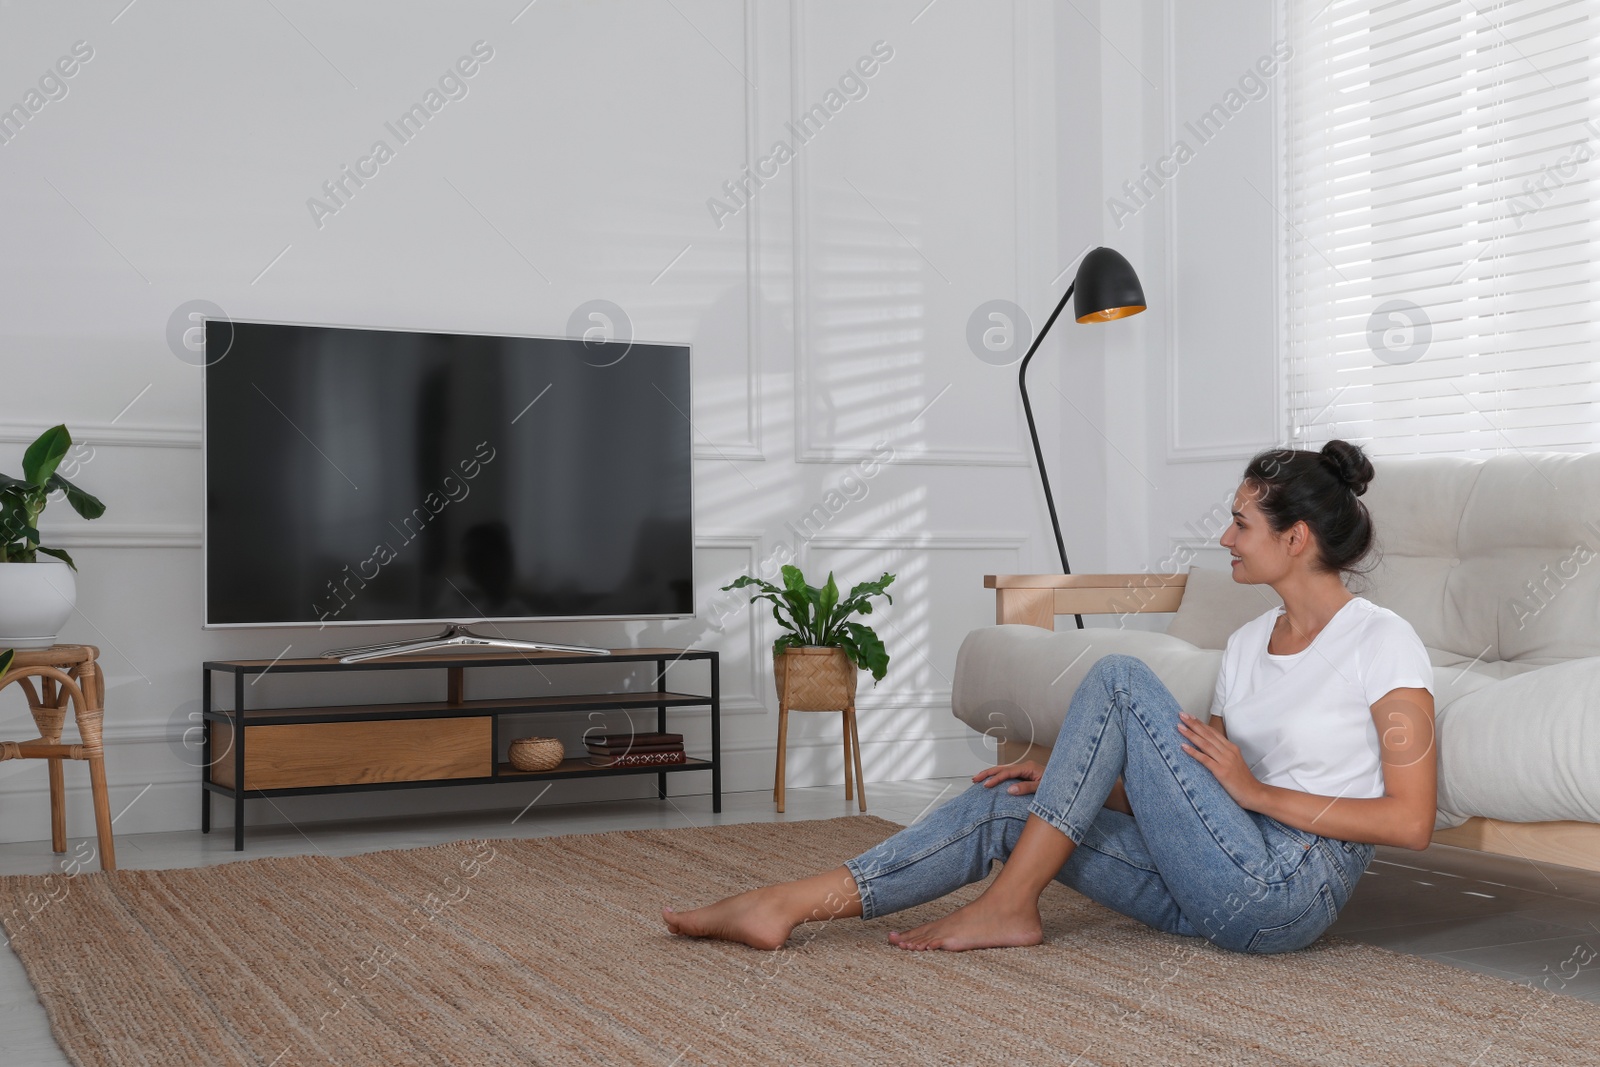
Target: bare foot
[984, 923]
[755, 918]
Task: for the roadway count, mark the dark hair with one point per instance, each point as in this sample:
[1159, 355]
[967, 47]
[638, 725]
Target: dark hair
[1319, 488]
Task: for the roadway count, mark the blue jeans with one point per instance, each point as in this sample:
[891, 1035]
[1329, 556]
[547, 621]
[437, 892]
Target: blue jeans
[1189, 861]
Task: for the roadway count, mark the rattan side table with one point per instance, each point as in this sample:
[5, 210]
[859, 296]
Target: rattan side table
[68, 676]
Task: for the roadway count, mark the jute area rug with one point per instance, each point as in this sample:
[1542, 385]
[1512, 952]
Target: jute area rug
[552, 951]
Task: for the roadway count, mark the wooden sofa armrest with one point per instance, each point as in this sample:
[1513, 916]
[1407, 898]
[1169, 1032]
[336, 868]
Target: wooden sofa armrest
[1036, 599]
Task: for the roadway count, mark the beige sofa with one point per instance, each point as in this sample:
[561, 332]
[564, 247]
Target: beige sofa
[1495, 562]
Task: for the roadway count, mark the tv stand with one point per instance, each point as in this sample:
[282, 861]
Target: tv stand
[454, 636]
[252, 752]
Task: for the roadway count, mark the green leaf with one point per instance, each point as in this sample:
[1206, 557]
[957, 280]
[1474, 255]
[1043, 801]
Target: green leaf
[13, 519]
[778, 597]
[42, 457]
[59, 554]
[866, 589]
[84, 504]
[780, 605]
[801, 612]
[829, 594]
[867, 651]
[786, 623]
[827, 600]
[5, 660]
[17, 495]
[16, 521]
[803, 604]
[793, 580]
[855, 607]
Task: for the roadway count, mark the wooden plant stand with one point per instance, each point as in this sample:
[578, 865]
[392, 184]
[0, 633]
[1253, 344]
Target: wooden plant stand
[69, 677]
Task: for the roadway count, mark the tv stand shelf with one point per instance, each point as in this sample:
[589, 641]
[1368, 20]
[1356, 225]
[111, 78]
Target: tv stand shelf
[265, 752]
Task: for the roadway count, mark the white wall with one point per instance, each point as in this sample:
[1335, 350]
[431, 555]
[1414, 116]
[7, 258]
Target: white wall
[828, 316]
[1192, 385]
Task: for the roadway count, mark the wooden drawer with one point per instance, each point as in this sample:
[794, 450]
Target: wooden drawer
[295, 755]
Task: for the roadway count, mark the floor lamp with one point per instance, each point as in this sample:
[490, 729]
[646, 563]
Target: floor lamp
[1106, 288]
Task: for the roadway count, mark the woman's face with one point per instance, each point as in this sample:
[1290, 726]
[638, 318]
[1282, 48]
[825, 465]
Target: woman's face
[1259, 555]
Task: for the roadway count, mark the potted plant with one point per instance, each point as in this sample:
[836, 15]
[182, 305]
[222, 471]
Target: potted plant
[821, 644]
[37, 596]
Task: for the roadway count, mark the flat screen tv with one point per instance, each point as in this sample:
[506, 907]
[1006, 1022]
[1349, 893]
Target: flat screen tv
[389, 476]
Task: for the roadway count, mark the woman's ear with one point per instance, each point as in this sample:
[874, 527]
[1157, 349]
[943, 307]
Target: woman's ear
[1298, 537]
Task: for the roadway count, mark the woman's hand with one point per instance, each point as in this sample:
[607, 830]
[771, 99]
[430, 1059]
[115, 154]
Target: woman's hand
[1222, 758]
[1026, 774]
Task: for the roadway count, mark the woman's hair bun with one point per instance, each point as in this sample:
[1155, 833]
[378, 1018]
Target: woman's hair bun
[1349, 464]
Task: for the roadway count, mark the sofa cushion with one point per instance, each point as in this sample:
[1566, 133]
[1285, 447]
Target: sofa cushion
[1483, 668]
[1015, 683]
[1417, 506]
[1523, 749]
[1452, 683]
[1494, 559]
[1214, 605]
[1533, 535]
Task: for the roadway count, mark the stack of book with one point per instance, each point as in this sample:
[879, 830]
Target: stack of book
[634, 750]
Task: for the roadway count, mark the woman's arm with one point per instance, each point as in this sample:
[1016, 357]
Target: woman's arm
[1405, 814]
[1402, 817]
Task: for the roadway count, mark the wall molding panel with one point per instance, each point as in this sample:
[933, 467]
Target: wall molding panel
[1026, 266]
[1179, 264]
[750, 449]
[749, 541]
[101, 534]
[121, 435]
[925, 540]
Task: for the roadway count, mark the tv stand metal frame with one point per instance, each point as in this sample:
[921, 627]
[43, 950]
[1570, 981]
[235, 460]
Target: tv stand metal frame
[456, 635]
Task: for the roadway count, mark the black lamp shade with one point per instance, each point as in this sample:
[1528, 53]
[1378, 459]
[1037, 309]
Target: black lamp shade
[1106, 288]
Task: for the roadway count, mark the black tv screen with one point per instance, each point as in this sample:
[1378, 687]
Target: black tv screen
[363, 476]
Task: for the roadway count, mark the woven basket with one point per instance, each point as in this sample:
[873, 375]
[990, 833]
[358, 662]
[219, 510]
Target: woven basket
[537, 753]
[818, 679]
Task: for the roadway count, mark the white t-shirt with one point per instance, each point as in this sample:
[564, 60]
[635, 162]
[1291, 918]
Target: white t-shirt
[1304, 721]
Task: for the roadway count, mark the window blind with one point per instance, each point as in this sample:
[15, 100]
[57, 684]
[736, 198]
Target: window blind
[1442, 193]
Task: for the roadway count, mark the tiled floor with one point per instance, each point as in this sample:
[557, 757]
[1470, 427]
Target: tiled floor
[1530, 923]
[1534, 923]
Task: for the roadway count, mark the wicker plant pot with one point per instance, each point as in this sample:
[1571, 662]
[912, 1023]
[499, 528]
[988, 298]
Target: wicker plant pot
[537, 753]
[814, 678]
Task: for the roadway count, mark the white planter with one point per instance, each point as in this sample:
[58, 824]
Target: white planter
[36, 600]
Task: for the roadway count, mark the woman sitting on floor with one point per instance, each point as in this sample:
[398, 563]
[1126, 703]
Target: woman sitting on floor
[1250, 830]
